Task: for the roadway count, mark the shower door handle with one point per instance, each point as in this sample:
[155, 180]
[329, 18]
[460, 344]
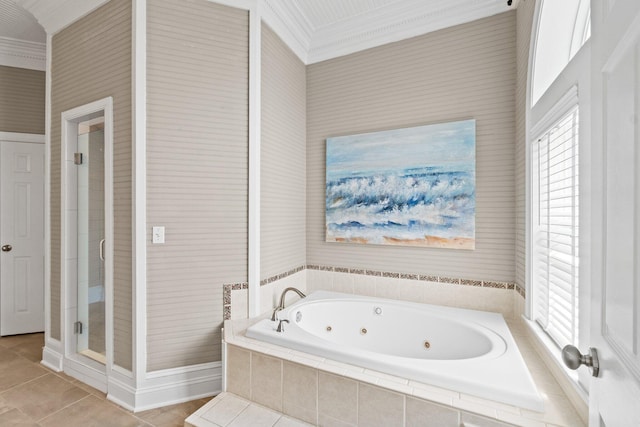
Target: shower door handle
[102, 250]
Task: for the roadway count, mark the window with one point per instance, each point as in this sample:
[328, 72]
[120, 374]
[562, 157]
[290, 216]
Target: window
[564, 27]
[555, 229]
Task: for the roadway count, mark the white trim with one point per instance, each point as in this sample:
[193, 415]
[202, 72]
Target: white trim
[238, 4]
[34, 138]
[528, 275]
[394, 22]
[255, 26]
[48, 341]
[108, 230]
[167, 387]
[139, 208]
[568, 380]
[52, 356]
[627, 41]
[86, 370]
[74, 364]
[291, 25]
[23, 54]
[559, 109]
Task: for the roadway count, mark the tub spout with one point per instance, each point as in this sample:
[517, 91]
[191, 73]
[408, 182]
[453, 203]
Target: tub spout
[280, 325]
[281, 305]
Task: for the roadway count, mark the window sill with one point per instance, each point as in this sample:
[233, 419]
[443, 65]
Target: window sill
[551, 356]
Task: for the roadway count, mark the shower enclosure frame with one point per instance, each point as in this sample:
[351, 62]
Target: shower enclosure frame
[75, 364]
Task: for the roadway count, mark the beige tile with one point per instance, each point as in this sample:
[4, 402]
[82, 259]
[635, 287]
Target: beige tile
[439, 294]
[255, 416]
[387, 287]
[338, 398]
[225, 409]
[15, 418]
[300, 392]
[558, 410]
[469, 420]
[92, 411]
[475, 407]
[16, 370]
[318, 280]
[239, 371]
[420, 413]
[43, 396]
[172, 415]
[364, 285]
[4, 406]
[31, 351]
[327, 421]
[343, 282]
[91, 390]
[266, 381]
[24, 340]
[290, 422]
[411, 290]
[379, 407]
[239, 301]
[518, 420]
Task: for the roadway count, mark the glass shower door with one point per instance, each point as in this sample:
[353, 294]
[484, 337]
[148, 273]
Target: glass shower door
[90, 328]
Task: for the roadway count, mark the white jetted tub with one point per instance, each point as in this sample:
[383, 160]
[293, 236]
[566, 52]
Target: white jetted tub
[462, 350]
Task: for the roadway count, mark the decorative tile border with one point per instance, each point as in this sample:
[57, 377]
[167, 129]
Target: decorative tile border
[227, 288]
[412, 276]
[226, 297]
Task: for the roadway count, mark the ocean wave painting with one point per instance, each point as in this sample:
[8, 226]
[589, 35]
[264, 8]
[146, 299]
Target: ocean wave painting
[412, 186]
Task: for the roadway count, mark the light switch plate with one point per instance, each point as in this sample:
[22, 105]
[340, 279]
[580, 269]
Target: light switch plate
[157, 235]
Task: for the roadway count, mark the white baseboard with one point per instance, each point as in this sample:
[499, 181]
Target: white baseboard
[51, 358]
[159, 388]
[167, 387]
[92, 375]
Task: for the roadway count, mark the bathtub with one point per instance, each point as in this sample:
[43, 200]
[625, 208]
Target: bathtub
[466, 351]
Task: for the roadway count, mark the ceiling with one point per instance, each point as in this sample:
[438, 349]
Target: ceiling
[17, 23]
[315, 30]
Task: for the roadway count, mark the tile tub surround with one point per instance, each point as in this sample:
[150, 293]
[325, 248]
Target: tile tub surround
[475, 294]
[333, 393]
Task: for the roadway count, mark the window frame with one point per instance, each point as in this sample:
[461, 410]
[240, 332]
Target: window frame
[567, 108]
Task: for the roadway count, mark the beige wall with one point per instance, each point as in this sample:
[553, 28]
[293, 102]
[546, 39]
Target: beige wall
[197, 174]
[21, 100]
[91, 60]
[283, 158]
[524, 22]
[467, 71]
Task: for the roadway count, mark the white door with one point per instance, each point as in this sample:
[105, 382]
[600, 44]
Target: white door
[615, 314]
[21, 237]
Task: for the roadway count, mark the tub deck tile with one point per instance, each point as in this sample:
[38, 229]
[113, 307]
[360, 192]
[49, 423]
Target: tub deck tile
[229, 410]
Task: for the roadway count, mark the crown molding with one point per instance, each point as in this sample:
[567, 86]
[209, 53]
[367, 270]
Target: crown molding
[291, 25]
[54, 15]
[23, 54]
[394, 22]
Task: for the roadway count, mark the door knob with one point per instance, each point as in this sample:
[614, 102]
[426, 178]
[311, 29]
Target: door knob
[572, 358]
[7, 248]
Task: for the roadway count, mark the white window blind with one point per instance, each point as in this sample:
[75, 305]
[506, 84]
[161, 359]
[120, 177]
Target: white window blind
[555, 229]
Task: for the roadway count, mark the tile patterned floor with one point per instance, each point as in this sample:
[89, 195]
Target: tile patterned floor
[34, 396]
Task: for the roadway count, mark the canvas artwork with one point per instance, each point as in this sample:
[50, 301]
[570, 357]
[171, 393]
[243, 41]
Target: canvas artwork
[412, 186]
